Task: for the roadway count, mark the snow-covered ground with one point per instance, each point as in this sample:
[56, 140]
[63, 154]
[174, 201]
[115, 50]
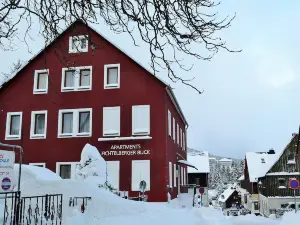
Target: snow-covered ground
[106, 208]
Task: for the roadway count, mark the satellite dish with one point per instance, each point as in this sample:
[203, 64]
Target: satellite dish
[143, 186]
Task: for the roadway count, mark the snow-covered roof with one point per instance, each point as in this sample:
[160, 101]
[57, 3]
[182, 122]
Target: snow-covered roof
[187, 163]
[241, 178]
[168, 88]
[259, 164]
[225, 160]
[200, 161]
[227, 193]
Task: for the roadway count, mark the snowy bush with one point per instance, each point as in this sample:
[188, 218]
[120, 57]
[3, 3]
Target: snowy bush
[92, 168]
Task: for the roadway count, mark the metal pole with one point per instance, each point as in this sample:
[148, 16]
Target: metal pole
[295, 200]
[20, 160]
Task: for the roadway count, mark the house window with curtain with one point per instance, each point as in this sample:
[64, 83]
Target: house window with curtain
[13, 125]
[40, 82]
[38, 125]
[75, 123]
[78, 44]
[111, 76]
[76, 79]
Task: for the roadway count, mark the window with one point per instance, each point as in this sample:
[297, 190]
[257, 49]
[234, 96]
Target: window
[263, 160]
[76, 79]
[175, 173]
[75, 122]
[183, 136]
[140, 171]
[169, 123]
[113, 172]
[13, 125]
[78, 44]
[38, 125]
[174, 129]
[111, 121]
[281, 183]
[180, 137]
[111, 76]
[141, 120]
[40, 83]
[181, 172]
[184, 177]
[38, 164]
[170, 174]
[177, 134]
[65, 171]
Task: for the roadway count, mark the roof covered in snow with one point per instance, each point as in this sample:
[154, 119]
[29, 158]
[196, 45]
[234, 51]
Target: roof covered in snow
[227, 193]
[259, 164]
[168, 88]
[241, 178]
[225, 160]
[201, 162]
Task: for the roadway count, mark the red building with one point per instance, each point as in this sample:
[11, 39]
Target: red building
[83, 89]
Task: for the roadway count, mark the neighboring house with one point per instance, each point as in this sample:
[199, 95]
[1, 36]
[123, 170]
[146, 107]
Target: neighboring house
[199, 175]
[225, 162]
[256, 165]
[274, 189]
[229, 197]
[106, 99]
[212, 161]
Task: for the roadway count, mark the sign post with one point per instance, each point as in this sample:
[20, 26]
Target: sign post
[201, 191]
[294, 184]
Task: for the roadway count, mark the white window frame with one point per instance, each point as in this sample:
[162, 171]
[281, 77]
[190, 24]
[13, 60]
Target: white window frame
[73, 168]
[181, 138]
[170, 174]
[7, 130]
[169, 123]
[181, 174]
[75, 132]
[119, 128]
[133, 123]
[183, 141]
[32, 125]
[175, 175]
[111, 86]
[35, 82]
[177, 134]
[38, 164]
[78, 49]
[76, 79]
[174, 129]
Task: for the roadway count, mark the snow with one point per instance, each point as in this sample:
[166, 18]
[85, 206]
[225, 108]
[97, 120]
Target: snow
[187, 163]
[227, 193]
[256, 167]
[283, 173]
[225, 160]
[200, 161]
[241, 178]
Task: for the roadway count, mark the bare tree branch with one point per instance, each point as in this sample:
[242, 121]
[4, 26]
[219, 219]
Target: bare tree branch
[175, 25]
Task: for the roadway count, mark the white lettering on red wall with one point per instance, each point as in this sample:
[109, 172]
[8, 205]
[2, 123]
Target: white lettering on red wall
[126, 150]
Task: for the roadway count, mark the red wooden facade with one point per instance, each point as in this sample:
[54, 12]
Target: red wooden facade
[136, 86]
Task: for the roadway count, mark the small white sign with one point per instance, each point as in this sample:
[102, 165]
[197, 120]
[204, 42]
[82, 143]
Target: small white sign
[7, 161]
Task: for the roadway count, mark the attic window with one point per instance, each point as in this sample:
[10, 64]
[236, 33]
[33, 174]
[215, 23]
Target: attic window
[263, 160]
[291, 158]
[78, 44]
[281, 183]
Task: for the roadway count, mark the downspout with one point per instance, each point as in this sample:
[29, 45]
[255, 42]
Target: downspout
[20, 161]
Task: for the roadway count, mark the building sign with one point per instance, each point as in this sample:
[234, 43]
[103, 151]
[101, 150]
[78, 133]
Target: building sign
[7, 161]
[117, 150]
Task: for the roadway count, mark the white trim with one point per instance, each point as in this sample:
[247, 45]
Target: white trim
[76, 79]
[147, 131]
[174, 130]
[32, 125]
[78, 49]
[170, 174]
[75, 132]
[175, 175]
[38, 164]
[73, 168]
[177, 130]
[118, 131]
[7, 130]
[40, 91]
[169, 123]
[111, 86]
[125, 138]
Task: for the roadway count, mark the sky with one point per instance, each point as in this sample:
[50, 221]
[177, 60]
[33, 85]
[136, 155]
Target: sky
[250, 99]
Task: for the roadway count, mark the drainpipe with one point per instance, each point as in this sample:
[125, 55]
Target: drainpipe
[20, 161]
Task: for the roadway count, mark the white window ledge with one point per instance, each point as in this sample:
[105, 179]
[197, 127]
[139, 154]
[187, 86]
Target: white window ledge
[125, 138]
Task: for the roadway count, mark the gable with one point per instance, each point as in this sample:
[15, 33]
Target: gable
[167, 87]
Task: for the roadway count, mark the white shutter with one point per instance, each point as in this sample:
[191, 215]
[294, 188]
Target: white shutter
[174, 129]
[181, 172]
[180, 137]
[113, 173]
[174, 175]
[141, 119]
[177, 134]
[169, 123]
[140, 171]
[170, 174]
[184, 176]
[183, 141]
[111, 121]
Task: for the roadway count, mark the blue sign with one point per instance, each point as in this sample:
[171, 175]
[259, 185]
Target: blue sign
[6, 183]
[294, 184]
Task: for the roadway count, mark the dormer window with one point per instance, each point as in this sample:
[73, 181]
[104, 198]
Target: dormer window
[78, 44]
[263, 160]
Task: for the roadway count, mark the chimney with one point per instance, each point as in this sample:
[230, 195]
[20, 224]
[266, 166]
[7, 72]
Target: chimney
[271, 151]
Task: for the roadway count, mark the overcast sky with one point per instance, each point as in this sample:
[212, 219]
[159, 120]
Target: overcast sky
[251, 100]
